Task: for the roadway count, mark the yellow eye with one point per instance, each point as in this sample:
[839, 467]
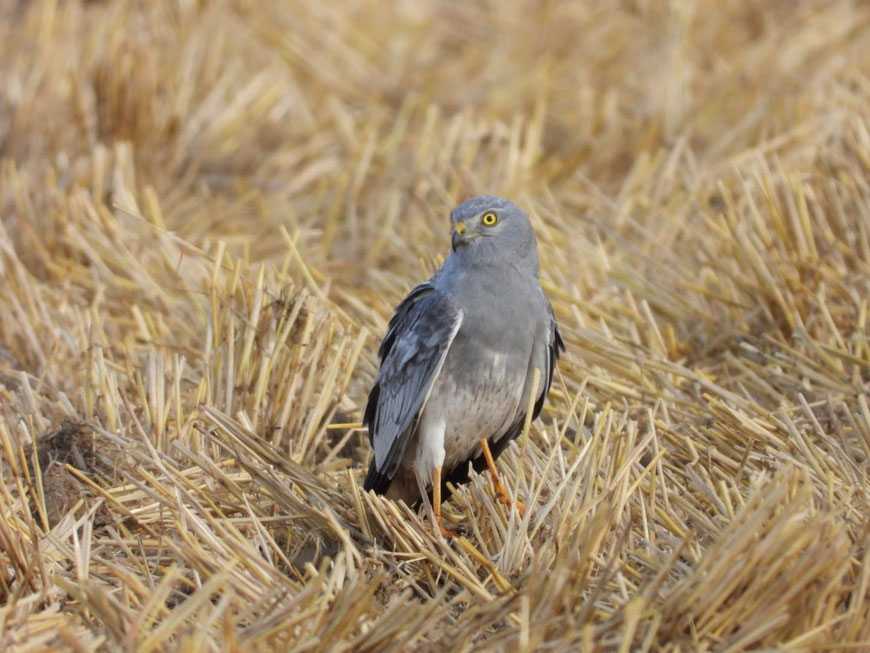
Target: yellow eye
[489, 219]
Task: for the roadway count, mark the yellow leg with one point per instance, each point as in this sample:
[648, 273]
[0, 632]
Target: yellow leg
[436, 501]
[500, 493]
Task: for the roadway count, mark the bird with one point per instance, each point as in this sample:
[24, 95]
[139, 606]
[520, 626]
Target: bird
[458, 361]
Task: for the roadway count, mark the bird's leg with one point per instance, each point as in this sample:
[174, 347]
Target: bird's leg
[436, 501]
[500, 492]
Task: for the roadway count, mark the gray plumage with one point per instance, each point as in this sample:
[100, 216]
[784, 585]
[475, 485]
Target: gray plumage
[458, 358]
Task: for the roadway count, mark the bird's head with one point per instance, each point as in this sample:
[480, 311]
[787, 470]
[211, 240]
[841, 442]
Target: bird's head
[489, 229]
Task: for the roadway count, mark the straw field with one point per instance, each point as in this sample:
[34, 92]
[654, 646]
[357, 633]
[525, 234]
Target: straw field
[208, 211]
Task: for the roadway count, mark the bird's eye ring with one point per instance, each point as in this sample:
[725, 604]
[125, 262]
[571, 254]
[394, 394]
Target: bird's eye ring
[489, 219]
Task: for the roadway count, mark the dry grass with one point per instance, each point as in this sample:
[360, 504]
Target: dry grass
[208, 210]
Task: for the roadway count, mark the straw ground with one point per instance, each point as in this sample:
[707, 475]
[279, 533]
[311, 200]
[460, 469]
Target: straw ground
[208, 210]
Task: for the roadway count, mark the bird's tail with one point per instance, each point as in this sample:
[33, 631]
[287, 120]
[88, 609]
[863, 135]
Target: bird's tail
[400, 488]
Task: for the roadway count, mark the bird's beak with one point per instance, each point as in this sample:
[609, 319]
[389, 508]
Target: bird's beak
[459, 238]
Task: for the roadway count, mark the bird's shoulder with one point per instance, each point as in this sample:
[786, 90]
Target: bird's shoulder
[424, 311]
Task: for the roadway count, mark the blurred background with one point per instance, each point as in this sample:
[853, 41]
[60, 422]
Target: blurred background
[359, 125]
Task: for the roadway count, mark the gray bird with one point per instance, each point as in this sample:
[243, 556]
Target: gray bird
[459, 357]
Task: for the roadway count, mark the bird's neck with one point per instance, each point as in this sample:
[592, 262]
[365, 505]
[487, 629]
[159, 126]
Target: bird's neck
[478, 260]
[492, 276]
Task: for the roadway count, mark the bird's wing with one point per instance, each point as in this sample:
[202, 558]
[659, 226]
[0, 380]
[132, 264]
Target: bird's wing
[555, 346]
[412, 353]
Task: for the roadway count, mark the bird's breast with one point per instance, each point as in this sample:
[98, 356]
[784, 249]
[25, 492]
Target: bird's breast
[478, 394]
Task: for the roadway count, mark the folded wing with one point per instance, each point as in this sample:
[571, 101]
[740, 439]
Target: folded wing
[412, 354]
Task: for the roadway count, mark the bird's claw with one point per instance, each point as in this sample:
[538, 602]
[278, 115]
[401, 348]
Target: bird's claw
[446, 533]
[502, 497]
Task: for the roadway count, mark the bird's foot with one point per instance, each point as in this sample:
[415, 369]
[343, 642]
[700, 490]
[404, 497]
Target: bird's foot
[446, 533]
[500, 493]
[502, 497]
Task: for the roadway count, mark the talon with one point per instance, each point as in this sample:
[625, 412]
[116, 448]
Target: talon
[446, 533]
[504, 499]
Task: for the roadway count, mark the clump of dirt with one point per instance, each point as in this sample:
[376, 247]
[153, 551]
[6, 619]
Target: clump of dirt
[72, 444]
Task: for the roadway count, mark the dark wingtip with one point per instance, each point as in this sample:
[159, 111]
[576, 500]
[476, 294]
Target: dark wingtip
[376, 481]
[371, 410]
[560, 343]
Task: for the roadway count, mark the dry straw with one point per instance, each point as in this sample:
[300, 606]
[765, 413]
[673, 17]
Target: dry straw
[208, 210]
